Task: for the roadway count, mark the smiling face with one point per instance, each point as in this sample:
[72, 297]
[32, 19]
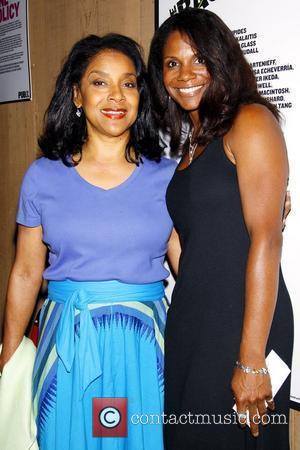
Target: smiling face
[108, 94]
[185, 75]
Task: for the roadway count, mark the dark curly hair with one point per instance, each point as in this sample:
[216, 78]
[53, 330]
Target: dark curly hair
[232, 83]
[64, 133]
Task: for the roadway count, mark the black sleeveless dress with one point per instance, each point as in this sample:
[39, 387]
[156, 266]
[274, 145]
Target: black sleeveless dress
[205, 318]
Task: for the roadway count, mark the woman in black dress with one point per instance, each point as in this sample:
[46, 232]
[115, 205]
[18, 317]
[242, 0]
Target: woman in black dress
[226, 199]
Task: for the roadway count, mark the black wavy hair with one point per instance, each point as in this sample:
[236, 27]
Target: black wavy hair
[64, 133]
[232, 83]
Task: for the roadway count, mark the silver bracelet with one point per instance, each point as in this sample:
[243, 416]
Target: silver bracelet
[247, 369]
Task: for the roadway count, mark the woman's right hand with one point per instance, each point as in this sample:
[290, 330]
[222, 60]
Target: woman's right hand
[4, 358]
[3, 361]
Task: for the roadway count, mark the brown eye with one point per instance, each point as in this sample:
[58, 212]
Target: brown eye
[200, 60]
[98, 83]
[171, 64]
[130, 84]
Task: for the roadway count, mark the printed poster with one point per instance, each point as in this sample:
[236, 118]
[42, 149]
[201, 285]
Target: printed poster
[15, 79]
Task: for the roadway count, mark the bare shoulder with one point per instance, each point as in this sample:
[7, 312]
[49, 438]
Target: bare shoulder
[254, 116]
[254, 126]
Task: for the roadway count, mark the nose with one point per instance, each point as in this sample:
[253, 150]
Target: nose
[186, 73]
[116, 94]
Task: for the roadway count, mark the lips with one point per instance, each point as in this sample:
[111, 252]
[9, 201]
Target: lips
[115, 114]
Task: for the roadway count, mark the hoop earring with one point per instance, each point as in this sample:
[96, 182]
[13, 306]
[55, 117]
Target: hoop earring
[78, 112]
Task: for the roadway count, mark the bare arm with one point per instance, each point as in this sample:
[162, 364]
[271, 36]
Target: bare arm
[23, 287]
[174, 251]
[257, 145]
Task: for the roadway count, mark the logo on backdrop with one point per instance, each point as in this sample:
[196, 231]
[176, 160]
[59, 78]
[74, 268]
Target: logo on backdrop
[183, 4]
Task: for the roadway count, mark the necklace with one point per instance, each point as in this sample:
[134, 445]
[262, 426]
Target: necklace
[192, 147]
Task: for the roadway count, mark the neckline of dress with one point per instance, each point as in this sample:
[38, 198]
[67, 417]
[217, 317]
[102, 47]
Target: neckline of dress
[119, 186]
[204, 151]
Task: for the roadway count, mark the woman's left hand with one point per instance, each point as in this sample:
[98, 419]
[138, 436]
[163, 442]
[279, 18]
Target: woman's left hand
[253, 394]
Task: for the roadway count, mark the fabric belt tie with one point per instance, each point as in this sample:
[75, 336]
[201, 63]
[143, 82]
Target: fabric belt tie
[78, 295]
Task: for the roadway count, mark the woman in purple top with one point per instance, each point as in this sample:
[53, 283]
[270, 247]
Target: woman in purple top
[96, 202]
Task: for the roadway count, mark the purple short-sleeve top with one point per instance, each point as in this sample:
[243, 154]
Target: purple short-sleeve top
[94, 234]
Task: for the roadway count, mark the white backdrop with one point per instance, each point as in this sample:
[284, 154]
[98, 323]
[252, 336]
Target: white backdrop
[269, 35]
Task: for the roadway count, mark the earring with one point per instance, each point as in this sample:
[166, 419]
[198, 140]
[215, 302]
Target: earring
[78, 112]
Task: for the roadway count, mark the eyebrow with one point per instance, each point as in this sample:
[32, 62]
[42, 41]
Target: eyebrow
[100, 72]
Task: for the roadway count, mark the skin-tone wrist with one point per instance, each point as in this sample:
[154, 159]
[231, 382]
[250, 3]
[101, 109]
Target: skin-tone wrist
[253, 358]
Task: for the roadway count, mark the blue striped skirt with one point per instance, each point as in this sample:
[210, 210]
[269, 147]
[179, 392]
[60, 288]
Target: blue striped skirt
[100, 340]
